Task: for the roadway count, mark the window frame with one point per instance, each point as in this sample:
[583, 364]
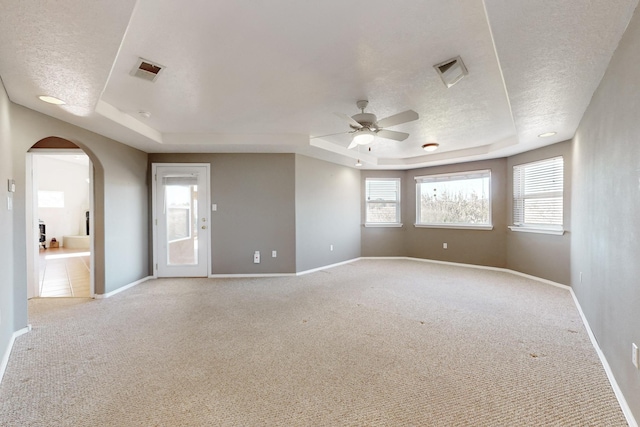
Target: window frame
[555, 229]
[398, 202]
[425, 179]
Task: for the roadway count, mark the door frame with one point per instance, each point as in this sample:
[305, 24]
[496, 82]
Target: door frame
[31, 210]
[154, 218]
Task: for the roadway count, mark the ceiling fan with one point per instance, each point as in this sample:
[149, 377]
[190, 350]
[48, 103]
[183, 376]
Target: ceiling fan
[365, 126]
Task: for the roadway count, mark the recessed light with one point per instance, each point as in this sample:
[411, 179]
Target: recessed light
[546, 134]
[431, 146]
[51, 100]
[358, 163]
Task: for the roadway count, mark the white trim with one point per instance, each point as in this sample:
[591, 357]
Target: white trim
[124, 288]
[313, 270]
[383, 224]
[299, 273]
[7, 353]
[154, 218]
[241, 276]
[559, 232]
[456, 226]
[626, 410]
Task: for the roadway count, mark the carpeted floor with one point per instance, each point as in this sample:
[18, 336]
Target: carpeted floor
[371, 343]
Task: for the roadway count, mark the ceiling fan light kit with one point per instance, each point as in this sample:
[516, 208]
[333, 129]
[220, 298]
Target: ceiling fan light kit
[365, 126]
[363, 137]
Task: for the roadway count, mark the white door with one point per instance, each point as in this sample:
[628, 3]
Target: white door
[181, 220]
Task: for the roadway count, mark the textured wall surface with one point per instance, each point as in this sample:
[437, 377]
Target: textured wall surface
[254, 194]
[481, 247]
[605, 238]
[327, 213]
[120, 201]
[541, 255]
[7, 302]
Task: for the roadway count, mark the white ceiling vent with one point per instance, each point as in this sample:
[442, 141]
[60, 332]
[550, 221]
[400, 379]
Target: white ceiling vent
[451, 71]
[147, 70]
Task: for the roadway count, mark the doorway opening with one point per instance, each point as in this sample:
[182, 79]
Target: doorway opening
[60, 221]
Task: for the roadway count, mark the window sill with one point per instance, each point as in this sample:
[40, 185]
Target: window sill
[375, 225]
[455, 226]
[536, 230]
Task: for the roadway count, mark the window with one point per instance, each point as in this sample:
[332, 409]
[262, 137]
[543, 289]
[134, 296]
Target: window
[50, 199]
[454, 200]
[382, 202]
[538, 196]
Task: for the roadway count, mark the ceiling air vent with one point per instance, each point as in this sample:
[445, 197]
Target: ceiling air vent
[147, 70]
[451, 71]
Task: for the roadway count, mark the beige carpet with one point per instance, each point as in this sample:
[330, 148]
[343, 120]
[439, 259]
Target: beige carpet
[372, 343]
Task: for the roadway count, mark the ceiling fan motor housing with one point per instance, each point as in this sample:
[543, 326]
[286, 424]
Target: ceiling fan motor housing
[367, 120]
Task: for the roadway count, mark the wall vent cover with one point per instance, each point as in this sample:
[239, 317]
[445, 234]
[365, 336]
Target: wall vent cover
[147, 70]
[451, 71]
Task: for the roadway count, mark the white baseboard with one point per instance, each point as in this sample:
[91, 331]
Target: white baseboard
[7, 353]
[313, 270]
[248, 276]
[122, 289]
[605, 364]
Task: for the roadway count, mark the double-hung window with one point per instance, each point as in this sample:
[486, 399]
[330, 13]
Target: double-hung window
[538, 196]
[454, 200]
[382, 202]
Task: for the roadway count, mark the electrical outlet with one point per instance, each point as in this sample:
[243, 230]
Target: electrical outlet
[444, 246]
[635, 355]
[256, 257]
[274, 254]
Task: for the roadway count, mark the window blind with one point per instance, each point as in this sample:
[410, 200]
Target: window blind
[382, 200]
[538, 193]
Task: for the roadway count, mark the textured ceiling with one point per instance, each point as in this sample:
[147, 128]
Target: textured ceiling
[246, 76]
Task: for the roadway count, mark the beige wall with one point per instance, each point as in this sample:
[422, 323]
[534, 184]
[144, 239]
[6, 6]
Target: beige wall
[386, 241]
[327, 198]
[542, 255]
[605, 235]
[9, 303]
[255, 197]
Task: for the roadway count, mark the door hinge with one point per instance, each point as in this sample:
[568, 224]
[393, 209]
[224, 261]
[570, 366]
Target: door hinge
[156, 266]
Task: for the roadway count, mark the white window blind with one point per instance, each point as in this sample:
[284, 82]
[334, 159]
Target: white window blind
[382, 201]
[538, 194]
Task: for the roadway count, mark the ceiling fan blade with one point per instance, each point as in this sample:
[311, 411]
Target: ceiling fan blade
[330, 134]
[396, 119]
[352, 145]
[392, 134]
[349, 120]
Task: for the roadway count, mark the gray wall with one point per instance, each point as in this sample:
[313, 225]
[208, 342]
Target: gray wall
[542, 255]
[120, 193]
[605, 242]
[480, 247]
[386, 241]
[256, 210]
[327, 198]
[7, 299]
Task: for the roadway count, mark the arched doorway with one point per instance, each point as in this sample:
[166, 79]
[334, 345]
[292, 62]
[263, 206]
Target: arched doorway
[59, 220]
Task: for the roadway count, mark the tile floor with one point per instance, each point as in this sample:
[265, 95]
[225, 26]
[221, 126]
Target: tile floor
[64, 273]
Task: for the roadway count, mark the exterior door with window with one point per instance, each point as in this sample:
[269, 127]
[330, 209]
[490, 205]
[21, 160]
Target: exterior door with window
[181, 220]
